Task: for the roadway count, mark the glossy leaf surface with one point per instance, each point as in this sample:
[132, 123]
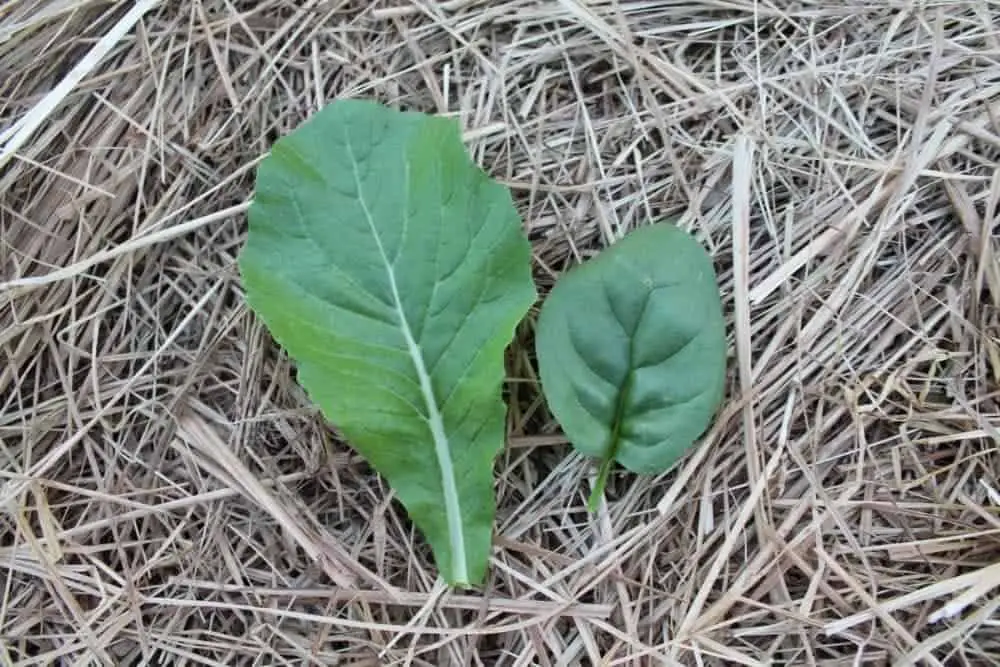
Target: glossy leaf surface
[632, 350]
[394, 271]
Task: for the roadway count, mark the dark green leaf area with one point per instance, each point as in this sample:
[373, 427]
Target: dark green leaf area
[632, 347]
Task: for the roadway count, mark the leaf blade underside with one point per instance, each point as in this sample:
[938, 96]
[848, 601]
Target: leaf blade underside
[394, 271]
[631, 351]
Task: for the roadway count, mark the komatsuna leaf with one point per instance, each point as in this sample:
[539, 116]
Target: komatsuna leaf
[394, 271]
[631, 350]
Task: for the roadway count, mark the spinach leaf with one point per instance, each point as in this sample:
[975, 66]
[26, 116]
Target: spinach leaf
[394, 271]
[631, 350]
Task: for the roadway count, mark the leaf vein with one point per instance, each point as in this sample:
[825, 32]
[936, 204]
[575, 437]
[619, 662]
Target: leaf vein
[442, 448]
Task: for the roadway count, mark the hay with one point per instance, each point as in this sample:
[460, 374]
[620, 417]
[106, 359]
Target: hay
[170, 497]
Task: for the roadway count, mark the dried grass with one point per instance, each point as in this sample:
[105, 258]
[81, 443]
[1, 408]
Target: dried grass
[170, 497]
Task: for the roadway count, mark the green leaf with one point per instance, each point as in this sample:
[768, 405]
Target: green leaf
[631, 350]
[394, 271]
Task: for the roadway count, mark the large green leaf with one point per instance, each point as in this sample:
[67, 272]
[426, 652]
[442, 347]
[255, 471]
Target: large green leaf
[631, 350]
[394, 271]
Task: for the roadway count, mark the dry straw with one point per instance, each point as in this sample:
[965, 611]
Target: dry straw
[170, 497]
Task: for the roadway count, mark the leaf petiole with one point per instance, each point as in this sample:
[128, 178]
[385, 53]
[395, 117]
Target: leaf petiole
[602, 481]
[613, 442]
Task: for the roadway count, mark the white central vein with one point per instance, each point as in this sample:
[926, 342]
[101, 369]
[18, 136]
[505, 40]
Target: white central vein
[435, 421]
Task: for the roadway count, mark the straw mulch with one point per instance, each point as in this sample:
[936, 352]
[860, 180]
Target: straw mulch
[171, 497]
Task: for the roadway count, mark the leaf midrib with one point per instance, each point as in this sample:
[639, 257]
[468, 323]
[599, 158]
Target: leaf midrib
[435, 420]
[621, 401]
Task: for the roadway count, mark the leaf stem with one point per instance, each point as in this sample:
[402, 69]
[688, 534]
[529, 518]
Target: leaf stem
[612, 448]
[600, 484]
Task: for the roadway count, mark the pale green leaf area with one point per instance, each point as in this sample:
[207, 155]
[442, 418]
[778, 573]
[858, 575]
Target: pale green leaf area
[394, 272]
[632, 350]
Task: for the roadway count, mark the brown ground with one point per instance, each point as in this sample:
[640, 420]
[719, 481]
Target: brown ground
[170, 497]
